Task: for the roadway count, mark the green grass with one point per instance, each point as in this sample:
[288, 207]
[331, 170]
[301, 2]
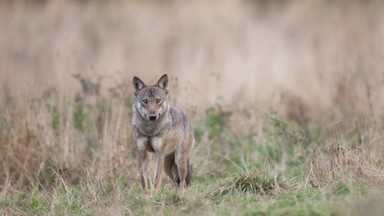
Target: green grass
[252, 192]
[79, 200]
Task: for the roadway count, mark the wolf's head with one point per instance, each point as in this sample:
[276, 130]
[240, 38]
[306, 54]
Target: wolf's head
[151, 100]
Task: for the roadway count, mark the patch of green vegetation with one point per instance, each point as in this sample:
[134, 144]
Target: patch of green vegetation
[79, 116]
[4, 125]
[216, 123]
[198, 133]
[69, 200]
[55, 116]
[341, 188]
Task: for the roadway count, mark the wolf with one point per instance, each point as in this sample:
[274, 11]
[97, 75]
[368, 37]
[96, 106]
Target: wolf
[163, 130]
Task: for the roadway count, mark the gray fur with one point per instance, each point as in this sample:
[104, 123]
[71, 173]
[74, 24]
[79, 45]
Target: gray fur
[164, 130]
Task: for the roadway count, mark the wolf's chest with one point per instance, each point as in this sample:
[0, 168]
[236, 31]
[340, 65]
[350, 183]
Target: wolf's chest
[153, 144]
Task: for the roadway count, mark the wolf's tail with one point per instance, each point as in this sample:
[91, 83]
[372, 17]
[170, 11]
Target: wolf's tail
[189, 174]
[176, 176]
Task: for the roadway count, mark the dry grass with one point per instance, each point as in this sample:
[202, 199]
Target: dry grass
[248, 182]
[317, 56]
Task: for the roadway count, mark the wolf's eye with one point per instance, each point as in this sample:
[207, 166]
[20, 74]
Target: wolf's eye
[144, 101]
[158, 100]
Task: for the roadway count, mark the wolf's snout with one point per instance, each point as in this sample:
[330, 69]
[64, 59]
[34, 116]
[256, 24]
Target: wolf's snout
[152, 117]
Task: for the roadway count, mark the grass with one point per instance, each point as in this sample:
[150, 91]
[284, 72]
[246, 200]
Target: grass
[82, 200]
[288, 169]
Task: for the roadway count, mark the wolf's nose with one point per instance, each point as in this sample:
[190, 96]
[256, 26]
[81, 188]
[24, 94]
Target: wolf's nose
[152, 117]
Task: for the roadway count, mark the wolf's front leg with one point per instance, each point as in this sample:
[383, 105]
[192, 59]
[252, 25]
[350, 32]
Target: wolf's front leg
[143, 171]
[159, 167]
[158, 146]
[141, 143]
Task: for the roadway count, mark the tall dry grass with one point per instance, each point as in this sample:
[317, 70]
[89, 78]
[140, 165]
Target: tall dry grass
[328, 56]
[315, 62]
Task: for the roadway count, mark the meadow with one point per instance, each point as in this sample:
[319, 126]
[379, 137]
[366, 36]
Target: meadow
[285, 99]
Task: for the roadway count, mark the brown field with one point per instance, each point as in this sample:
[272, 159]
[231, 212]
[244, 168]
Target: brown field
[65, 86]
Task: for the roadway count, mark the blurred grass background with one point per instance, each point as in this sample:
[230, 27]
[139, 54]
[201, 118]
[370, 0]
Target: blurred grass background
[286, 100]
[326, 55]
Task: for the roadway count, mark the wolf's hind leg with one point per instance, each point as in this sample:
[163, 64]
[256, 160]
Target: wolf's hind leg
[182, 168]
[170, 169]
[175, 175]
[169, 160]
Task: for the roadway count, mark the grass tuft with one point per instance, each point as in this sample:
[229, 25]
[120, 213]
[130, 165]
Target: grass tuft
[248, 182]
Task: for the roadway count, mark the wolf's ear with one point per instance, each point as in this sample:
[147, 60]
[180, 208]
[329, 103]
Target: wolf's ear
[163, 82]
[138, 85]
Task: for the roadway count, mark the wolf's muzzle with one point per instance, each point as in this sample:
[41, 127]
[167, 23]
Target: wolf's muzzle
[152, 117]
